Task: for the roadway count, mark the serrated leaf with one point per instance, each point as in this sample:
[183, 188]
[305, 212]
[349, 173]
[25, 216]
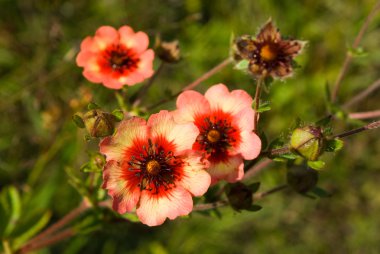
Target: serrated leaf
[265, 106]
[92, 106]
[254, 187]
[334, 145]
[78, 121]
[118, 114]
[242, 65]
[317, 165]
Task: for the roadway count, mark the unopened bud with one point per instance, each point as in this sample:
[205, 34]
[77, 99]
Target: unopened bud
[308, 142]
[239, 196]
[99, 123]
[168, 52]
[302, 179]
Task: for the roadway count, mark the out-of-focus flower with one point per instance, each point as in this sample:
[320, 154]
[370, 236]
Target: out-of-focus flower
[116, 57]
[225, 123]
[150, 165]
[168, 52]
[268, 54]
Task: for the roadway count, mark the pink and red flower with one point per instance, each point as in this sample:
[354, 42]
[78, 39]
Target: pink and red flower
[116, 57]
[225, 121]
[151, 166]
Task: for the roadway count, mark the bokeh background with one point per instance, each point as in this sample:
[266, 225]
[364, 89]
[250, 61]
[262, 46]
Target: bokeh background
[41, 88]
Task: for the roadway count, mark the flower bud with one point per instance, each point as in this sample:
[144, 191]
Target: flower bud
[239, 196]
[168, 51]
[99, 123]
[308, 142]
[302, 179]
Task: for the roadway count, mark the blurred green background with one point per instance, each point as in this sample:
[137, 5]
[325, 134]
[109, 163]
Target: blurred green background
[41, 88]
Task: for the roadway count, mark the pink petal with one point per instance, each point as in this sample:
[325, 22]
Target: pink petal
[112, 83]
[125, 32]
[220, 98]
[154, 209]
[250, 146]
[105, 35]
[231, 171]
[190, 104]
[195, 178]
[83, 58]
[93, 76]
[131, 79]
[88, 44]
[244, 119]
[161, 124]
[183, 136]
[145, 66]
[125, 196]
[128, 131]
[138, 42]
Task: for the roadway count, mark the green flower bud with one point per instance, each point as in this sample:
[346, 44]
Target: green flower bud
[308, 142]
[239, 196]
[302, 179]
[99, 123]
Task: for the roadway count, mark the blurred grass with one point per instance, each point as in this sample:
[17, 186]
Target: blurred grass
[41, 87]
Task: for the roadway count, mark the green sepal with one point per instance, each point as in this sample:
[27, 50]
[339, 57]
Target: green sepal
[78, 121]
[334, 145]
[317, 165]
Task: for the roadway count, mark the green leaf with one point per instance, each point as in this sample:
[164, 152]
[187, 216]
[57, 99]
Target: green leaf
[254, 187]
[78, 121]
[242, 65]
[131, 217]
[321, 193]
[357, 52]
[11, 199]
[317, 165]
[118, 114]
[254, 208]
[32, 231]
[265, 106]
[334, 145]
[92, 106]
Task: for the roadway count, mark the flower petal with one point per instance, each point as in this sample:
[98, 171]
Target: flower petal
[244, 119]
[154, 209]
[125, 194]
[220, 98]
[190, 104]
[231, 171]
[250, 146]
[161, 124]
[195, 179]
[145, 65]
[105, 35]
[138, 41]
[183, 136]
[128, 131]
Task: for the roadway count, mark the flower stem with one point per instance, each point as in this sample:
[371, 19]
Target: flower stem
[254, 170]
[277, 151]
[137, 97]
[362, 95]
[257, 103]
[195, 83]
[347, 60]
[261, 195]
[365, 115]
[370, 126]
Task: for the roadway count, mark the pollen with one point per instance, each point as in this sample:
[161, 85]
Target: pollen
[268, 53]
[213, 136]
[153, 167]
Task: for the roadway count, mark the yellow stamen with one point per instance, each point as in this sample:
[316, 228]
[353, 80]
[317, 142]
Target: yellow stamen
[213, 136]
[268, 53]
[153, 167]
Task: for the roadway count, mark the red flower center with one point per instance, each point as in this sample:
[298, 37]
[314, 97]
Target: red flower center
[153, 166]
[217, 135]
[118, 59]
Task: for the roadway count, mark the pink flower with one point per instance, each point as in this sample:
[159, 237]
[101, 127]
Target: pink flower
[225, 123]
[150, 165]
[116, 57]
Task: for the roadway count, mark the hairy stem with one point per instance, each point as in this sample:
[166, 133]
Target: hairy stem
[365, 115]
[195, 83]
[254, 170]
[370, 126]
[277, 151]
[362, 95]
[348, 59]
[257, 103]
